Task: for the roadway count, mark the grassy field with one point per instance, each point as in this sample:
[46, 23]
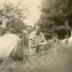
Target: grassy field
[47, 61]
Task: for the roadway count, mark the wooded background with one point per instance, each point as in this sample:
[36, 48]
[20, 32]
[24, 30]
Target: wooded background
[56, 17]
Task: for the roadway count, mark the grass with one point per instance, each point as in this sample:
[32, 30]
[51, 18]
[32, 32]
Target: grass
[43, 62]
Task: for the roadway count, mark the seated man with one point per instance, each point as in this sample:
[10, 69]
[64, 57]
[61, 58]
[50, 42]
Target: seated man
[36, 39]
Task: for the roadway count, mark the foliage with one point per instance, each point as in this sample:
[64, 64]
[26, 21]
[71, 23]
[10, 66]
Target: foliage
[54, 14]
[14, 14]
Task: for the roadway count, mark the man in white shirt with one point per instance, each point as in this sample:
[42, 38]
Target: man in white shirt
[36, 39]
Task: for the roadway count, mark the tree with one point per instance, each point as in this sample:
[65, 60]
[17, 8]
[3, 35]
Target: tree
[14, 14]
[54, 14]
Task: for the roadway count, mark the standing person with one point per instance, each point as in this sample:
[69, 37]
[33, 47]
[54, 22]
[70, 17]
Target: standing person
[26, 34]
[36, 39]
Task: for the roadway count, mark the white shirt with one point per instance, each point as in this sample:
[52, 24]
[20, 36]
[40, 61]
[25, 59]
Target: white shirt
[35, 39]
[7, 43]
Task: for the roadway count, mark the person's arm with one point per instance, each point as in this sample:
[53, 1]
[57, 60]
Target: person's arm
[43, 38]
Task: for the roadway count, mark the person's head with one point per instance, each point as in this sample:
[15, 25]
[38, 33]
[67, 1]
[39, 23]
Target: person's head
[38, 27]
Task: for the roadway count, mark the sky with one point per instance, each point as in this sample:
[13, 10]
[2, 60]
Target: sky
[33, 13]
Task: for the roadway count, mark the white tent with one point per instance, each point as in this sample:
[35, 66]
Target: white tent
[7, 43]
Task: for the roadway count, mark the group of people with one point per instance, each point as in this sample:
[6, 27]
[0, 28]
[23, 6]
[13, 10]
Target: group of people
[37, 41]
[12, 44]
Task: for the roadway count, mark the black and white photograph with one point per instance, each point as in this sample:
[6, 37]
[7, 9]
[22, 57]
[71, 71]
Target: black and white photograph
[35, 35]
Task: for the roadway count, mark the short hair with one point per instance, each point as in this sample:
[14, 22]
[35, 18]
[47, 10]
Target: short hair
[37, 25]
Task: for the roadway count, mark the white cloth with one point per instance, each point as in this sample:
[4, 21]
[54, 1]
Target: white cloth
[70, 41]
[35, 40]
[63, 42]
[7, 43]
